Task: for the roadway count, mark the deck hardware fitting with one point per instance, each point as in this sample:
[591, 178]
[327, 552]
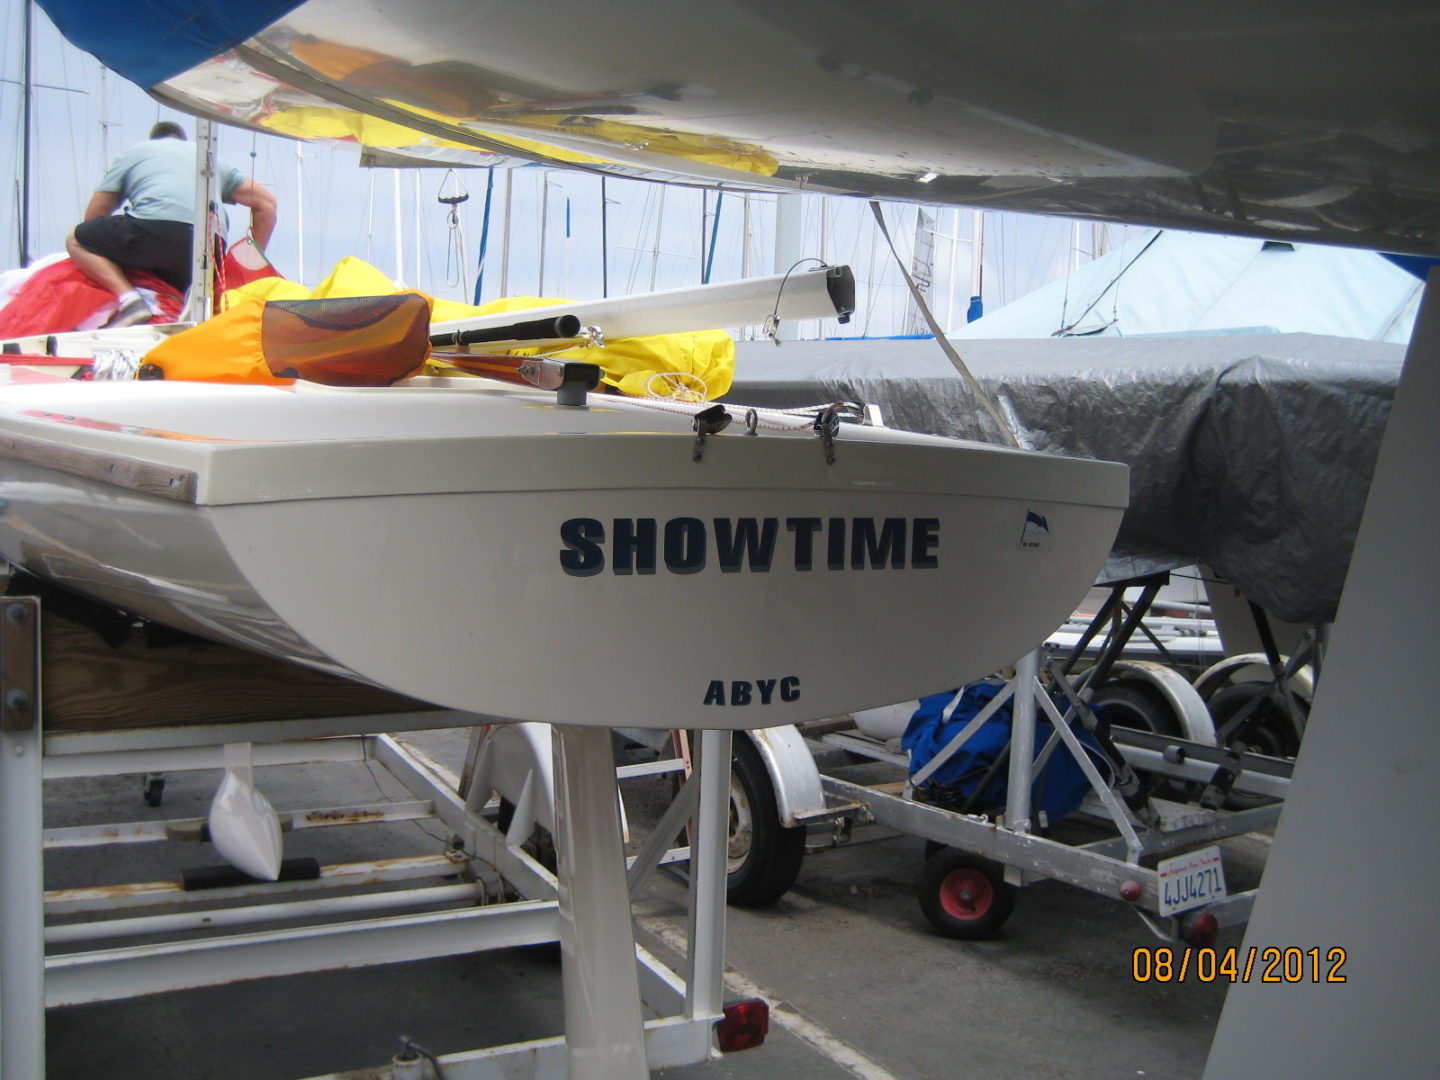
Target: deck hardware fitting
[709, 422]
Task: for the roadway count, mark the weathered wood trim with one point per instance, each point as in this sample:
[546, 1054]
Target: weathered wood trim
[146, 477]
[92, 686]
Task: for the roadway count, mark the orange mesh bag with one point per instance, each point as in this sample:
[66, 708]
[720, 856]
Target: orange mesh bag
[348, 341]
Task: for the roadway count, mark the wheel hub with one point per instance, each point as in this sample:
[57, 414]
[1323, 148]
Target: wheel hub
[966, 894]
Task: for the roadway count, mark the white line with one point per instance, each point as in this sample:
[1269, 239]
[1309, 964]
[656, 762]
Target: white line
[804, 1029]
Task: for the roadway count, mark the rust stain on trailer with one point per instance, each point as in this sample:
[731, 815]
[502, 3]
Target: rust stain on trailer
[343, 817]
[109, 892]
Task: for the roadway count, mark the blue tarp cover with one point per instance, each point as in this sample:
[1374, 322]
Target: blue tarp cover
[149, 41]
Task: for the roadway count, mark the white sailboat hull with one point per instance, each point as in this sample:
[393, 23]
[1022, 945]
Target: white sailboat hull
[489, 550]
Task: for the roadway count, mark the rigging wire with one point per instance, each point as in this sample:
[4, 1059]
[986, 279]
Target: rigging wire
[1114, 281]
[370, 217]
[1064, 304]
[455, 262]
[1005, 430]
[772, 321]
[1115, 303]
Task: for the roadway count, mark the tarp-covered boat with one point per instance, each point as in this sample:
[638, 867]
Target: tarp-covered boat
[1249, 453]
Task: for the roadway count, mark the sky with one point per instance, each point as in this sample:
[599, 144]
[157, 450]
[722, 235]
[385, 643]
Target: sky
[658, 236]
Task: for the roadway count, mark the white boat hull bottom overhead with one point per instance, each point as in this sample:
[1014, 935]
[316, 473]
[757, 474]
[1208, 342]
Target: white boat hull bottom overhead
[485, 549]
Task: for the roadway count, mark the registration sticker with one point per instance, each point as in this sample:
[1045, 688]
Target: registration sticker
[1190, 880]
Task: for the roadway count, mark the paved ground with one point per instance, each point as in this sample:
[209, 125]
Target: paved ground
[859, 985]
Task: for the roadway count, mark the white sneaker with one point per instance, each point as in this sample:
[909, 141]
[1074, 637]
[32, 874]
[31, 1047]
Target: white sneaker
[133, 313]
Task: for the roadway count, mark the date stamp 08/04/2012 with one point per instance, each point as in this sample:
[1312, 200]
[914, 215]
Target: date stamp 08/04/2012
[1271, 964]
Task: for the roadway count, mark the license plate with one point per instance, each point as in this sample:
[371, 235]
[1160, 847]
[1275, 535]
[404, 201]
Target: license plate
[1190, 880]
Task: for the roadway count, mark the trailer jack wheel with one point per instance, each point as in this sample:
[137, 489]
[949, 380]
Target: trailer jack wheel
[964, 896]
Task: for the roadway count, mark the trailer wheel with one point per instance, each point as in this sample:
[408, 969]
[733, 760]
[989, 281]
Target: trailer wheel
[762, 858]
[1134, 704]
[1268, 729]
[964, 896]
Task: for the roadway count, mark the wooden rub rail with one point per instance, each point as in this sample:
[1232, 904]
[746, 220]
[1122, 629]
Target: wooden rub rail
[181, 485]
[108, 673]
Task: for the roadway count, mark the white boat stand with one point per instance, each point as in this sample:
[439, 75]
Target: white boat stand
[607, 978]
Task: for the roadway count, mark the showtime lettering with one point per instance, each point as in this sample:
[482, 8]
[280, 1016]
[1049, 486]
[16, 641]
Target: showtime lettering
[687, 545]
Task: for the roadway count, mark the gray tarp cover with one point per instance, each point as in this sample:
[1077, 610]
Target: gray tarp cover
[1249, 454]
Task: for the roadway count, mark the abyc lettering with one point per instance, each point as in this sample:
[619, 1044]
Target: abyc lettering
[760, 692]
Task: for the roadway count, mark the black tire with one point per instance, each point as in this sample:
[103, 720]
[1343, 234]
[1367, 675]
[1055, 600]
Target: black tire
[1130, 703]
[1268, 729]
[964, 896]
[1133, 704]
[763, 856]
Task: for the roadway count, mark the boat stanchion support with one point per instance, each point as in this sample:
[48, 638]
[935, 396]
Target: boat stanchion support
[604, 1026]
[576, 382]
[22, 914]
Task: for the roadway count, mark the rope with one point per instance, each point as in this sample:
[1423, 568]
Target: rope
[939, 335]
[678, 386]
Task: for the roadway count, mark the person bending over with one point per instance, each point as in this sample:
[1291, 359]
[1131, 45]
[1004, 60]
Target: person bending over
[155, 181]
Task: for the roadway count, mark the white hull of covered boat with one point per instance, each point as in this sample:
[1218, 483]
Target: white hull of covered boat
[489, 550]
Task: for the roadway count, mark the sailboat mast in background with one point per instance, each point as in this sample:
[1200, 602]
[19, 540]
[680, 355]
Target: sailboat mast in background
[27, 109]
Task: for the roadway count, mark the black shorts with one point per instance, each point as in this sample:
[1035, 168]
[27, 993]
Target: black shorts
[159, 247]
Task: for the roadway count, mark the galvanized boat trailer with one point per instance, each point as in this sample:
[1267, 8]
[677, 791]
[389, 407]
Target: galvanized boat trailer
[90, 954]
[978, 860]
[793, 790]
[1170, 794]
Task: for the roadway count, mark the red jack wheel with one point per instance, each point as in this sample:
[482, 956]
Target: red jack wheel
[964, 896]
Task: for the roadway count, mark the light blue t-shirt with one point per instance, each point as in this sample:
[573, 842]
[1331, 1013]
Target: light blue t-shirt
[157, 179]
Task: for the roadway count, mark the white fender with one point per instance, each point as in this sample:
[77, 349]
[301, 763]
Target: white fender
[1255, 668]
[243, 825]
[517, 763]
[1188, 705]
[798, 794]
[887, 722]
